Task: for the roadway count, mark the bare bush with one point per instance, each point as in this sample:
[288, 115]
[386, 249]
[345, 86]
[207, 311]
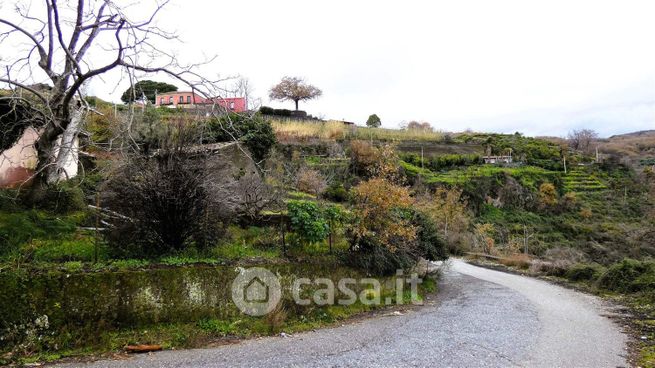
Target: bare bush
[311, 181]
[583, 139]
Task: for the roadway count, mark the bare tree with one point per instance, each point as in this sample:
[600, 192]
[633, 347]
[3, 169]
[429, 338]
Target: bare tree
[582, 139]
[294, 89]
[415, 125]
[66, 45]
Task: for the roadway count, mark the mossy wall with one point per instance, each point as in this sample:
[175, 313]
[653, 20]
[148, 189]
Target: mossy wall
[86, 302]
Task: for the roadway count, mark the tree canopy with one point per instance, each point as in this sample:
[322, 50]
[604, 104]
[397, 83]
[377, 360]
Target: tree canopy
[373, 121]
[148, 88]
[294, 89]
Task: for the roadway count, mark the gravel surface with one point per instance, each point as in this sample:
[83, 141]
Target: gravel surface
[481, 318]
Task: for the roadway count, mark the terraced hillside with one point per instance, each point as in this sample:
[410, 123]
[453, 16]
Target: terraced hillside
[581, 180]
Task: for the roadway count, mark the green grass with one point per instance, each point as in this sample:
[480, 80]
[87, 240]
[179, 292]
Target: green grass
[20, 228]
[236, 251]
[528, 176]
[581, 180]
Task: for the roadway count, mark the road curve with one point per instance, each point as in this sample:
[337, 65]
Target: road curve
[481, 318]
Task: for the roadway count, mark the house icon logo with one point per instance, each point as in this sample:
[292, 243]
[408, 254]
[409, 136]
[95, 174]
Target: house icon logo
[256, 291]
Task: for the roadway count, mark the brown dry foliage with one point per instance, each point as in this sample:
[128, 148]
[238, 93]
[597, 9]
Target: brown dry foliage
[311, 181]
[376, 202]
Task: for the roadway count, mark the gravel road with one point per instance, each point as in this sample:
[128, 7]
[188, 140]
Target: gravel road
[481, 318]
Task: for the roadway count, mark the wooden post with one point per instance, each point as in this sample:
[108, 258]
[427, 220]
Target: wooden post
[284, 244]
[97, 239]
[330, 241]
[421, 156]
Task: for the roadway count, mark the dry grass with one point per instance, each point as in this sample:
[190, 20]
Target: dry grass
[518, 260]
[334, 130]
[303, 130]
[383, 134]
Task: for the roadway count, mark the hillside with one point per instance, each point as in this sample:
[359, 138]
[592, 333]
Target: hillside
[637, 147]
[596, 212]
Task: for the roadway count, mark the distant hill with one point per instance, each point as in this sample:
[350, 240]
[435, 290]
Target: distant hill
[641, 133]
[637, 146]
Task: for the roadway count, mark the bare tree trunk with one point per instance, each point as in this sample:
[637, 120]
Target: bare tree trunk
[296, 101]
[65, 165]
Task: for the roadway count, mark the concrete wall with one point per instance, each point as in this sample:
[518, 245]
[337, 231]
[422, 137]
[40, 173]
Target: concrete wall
[17, 163]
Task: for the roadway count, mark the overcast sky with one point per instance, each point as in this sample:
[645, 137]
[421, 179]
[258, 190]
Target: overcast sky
[538, 67]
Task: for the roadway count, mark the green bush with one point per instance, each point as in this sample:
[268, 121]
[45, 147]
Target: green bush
[629, 276]
[429, 244]
[308, 221]
[9, 200]
[584, 272]
[442, 162]
[377, 259]
[253, 131]
[63, 198]
[336, 192]
[265, 110]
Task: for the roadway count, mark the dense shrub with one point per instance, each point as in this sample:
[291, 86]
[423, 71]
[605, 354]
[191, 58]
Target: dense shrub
[63, 198]
[308, 221]
[584, 272]
[429, 244]
[265, 110]
[368, 254]
[336, 193]
[169, 202]
[629, 276]
[255, 133]
[442, 162]
[310, 181]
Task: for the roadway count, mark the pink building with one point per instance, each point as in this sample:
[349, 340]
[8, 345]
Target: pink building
[185, 99]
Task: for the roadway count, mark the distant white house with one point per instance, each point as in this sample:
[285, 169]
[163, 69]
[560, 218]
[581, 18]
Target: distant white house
[497, 159]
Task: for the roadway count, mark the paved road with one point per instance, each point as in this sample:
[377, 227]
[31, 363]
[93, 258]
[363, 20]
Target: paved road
[482, 318]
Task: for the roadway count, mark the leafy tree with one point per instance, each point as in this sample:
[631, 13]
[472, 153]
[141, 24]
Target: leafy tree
[294, 89]
[448, 211]
[373, 121]
[483, 237]
[307, 221]
[148, 88]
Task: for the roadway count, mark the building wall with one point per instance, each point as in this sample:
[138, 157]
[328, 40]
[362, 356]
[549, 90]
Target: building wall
[184, 99]
[18, 163]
